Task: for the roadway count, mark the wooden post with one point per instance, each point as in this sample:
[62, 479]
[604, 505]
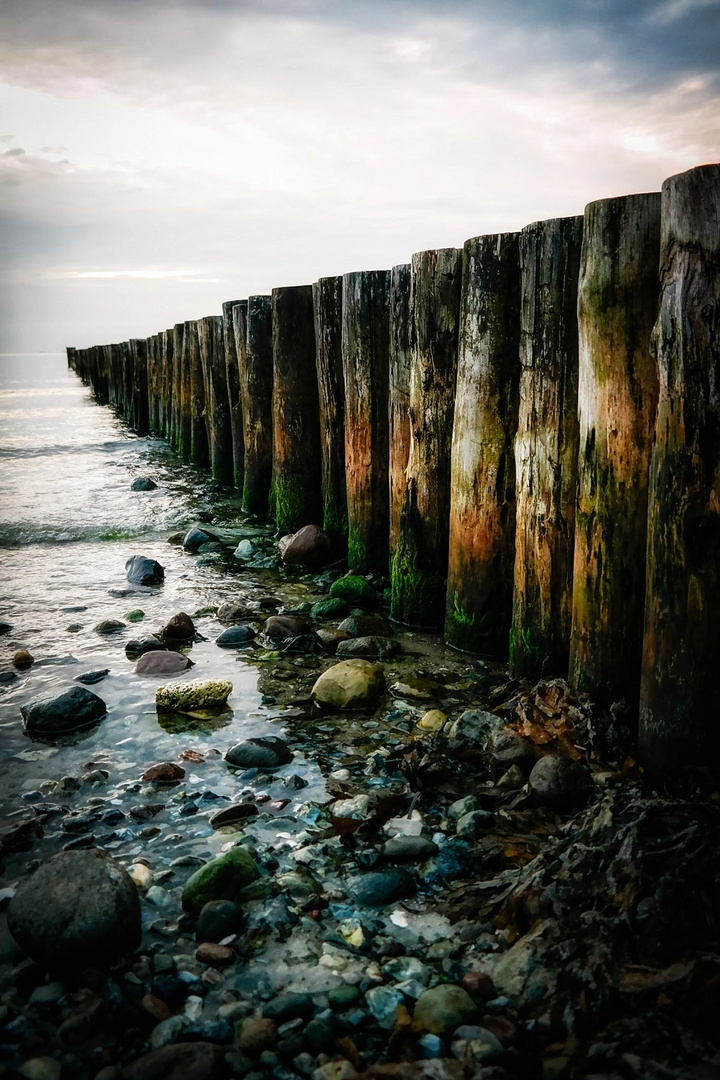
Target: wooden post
[164, 377]
[253, 342]
[154, 386]
[128, 366]
[680, 686]
[199, 447]
[327, 305]
[365, 354]
[482, 504]
[418, 571]
[217, 409]
[183, 444]
[296, 477]
[175, 338]
[399, 405]
[617, 401]
[232, 382]
[546, 447]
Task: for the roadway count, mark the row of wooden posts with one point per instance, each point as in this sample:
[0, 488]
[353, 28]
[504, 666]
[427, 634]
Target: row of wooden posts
[525, 433]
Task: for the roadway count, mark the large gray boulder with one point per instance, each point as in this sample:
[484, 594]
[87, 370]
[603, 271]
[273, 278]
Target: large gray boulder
[144, 571]
[63, 714]
[79, 909]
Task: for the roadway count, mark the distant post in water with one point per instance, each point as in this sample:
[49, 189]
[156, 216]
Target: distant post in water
[253, 342]
[418, 571]
[365, 353]
[617, 401]
[327, 305]
[482, 504]
[139, 395]
[217, 411]
[232, 382]
[199, 448]
[680, 685]
[546, 448]
[184, 433]
[399, 366]
[178, 333]
[296, 478]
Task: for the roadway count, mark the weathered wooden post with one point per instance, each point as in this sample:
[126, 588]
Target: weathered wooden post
[399, 392]
[128, 376]
[680, 686]
[296, 498]
[183, 443]
[418, 570]
[365, 353]
[217, 409]
[482, 503]
[327, 305]
[199, 447]
[546, 447]
[176, 335]
[253, 342]
[154, 388]
[617, 401]
[232, 382]
[165, 355]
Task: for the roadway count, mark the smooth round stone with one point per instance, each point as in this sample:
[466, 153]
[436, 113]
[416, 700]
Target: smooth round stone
[443, 1009]
[109, 626]
[257, 1034]
[143, 571]
[349, 684]
[217, 920]
[289, 1006]
[355, 590]
[23, 658]
[559, 782]
[79, 909]
[136, 615]
[179, 628]
[231, 612]
[409, 849]
[162, 663]
[281, 627]
[234, 636]
[245, 550]
[433, 720]
[222, 878]
[343, 997]
[382, 887]
[195, 538]
[232, 815]
[166, 772]
[268, 752]
[143, 483]
[359, 626]
[90, 677]
[179, 1061]
[219, 956]
[329, 609]
[310, 546]
[139, 646]
[74, 710]
[375, 647]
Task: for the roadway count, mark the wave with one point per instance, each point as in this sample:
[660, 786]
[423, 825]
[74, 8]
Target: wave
[22, 534]
[54, 449]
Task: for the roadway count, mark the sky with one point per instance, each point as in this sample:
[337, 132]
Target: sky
[158, 157]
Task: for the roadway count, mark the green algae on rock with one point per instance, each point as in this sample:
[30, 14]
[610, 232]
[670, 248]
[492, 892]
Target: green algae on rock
[223, 878]
[198, 694]
[355, 590]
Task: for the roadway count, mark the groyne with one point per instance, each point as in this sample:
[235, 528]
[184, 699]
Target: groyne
[523, 436]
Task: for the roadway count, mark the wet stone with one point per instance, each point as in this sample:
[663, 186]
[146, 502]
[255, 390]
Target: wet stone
[178, 1061]
[91, 677]
[359, 626]
[74, 710]
[23, 659]
[382, 887]
[376, 647]
[166, 772]
[329, 609]
[256, 1035]
[180, 628]
[109, 626]
[214, 955]
[349, 684]
[409, 849]
[223, 878]
[235, 636]
[139, 646]
[217, 920]
[195, 538]
[190, 696]
[559, 782]
[443, 1009]
[280, 627]
[310, 546]
[288, 1006]
[355, 590]
[143, 483]
[383, 1002]
[162, 663]
[136, 615]
[232, 611]
[143, 571]
[268, 752]
[232, 815]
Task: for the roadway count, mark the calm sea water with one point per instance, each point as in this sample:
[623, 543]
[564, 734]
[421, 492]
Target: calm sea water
[68, 522]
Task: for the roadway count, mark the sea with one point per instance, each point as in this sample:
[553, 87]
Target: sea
[69, 521]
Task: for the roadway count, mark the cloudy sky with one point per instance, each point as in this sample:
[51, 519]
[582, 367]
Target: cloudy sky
[160, 156]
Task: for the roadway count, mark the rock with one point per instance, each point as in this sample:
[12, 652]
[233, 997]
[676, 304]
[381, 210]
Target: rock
[218, 919]
[267, 752]
[144, 571]
[143, 483]
[335, 1070]
[359, 626]
[378, 647]
[139, 646]
[470, 824]
[235, 636]
[257, 1034]
[179, 628]
[109, 626]
[41, 1068]
[475, 725]
[223, 878]
[23, 659]
[383, 1002]
[310, 546]
[280, 627]
[409, 849]
[90, 677]
[74, 710]
[7, 676]
[5, 627]
[330, 638]
[179, 1061]
[233, 814]
[349, 685]
[215, 955]
[164, 773]
[162, 663]
[136, 615]
[195, 538]
[433, 720]
[512, 778]
[461, 807]
[142, 876]
[357, 807]
[507, 747]
[355, 590]
[232, 612]
[519, 975]
[79, 909]
[343, 996]
[443, 1008]
[245, 550]
[475, 1044]
[559, 782]
[329, 609]
[381, 887]
[289, 1006]
[189, 696]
